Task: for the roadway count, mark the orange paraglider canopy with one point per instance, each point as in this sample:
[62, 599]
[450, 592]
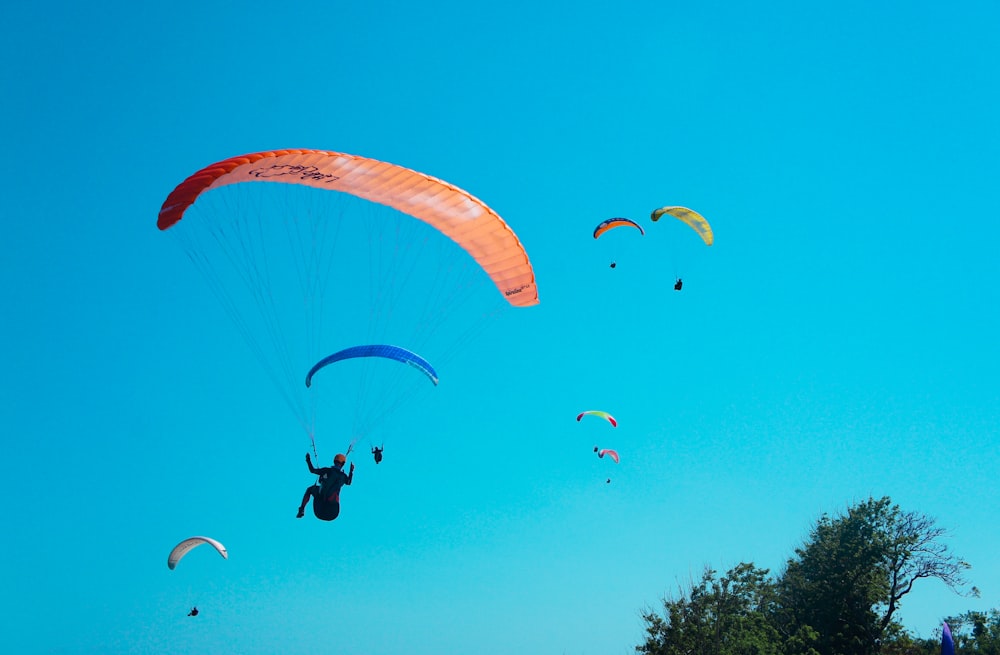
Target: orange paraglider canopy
[462, 217]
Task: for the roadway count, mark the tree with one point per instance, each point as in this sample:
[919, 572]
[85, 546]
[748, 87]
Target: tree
[976, 632]
[848, 580]
[717, 616]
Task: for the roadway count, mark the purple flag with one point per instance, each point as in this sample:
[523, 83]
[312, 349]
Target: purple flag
[947, 643]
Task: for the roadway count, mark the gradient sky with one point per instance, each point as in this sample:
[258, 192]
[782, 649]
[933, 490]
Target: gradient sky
[839, 340]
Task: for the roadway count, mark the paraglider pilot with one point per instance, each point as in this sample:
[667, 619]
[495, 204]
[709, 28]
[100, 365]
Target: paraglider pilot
[678, 284]
[378, 454]
[193, 612]
[325, 493]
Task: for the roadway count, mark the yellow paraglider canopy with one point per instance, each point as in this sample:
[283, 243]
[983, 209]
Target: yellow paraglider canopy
[695, 220]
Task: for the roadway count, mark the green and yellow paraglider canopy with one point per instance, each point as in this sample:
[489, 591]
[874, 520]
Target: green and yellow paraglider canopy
[692, 218]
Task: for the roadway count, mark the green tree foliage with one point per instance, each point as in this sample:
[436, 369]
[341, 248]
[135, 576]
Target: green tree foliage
[728, 615]
[904, 644]
[838, 595]
[976, 632]
[847, 581]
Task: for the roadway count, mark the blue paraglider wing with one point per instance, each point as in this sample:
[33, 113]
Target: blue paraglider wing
[388, 352]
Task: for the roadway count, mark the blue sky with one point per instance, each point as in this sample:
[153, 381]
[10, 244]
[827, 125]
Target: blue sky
[837, 341]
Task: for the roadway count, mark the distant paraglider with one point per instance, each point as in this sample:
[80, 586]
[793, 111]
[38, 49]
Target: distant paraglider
[613, 454]
[184, 547]
[374, 352]
[594, 412]
[613, 223]
[692, 219]
[193, 612]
